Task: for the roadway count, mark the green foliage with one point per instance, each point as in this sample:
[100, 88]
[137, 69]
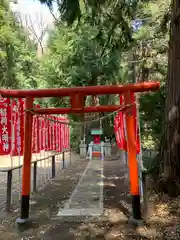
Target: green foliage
[152, 39]
[75, 59]
[75, 138]
[71, 10]
[152, 117]
[96, 51]
[151, 51]
[17, 56]
[93, 44]
[151, 166]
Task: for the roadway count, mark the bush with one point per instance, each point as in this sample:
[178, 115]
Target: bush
[151, 164]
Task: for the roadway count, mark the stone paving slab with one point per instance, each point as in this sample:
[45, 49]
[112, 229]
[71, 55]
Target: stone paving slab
[87, 197]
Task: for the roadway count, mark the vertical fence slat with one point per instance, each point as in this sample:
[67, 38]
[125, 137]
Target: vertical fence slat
[9, 190]
[145, 200]
[63, 160]
[70, 155]
[53, 166]
[35, 177]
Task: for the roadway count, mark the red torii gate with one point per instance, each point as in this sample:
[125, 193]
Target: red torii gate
[77, 95]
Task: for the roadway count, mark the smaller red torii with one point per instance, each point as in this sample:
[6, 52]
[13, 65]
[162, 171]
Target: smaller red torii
[77, 96]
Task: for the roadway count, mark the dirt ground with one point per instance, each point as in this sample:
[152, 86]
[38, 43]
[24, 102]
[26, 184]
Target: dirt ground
[163, 222]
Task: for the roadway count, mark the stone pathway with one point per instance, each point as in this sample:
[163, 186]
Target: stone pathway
[87, 197]
[47, 225]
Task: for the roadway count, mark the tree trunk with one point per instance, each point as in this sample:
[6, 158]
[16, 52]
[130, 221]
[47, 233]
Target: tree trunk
[170, 148]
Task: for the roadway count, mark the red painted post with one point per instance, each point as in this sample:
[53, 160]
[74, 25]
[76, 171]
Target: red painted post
[132, 161]
[77, 101]
[26, 171]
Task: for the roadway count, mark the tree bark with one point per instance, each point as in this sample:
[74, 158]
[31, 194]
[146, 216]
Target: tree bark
[170, 148]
